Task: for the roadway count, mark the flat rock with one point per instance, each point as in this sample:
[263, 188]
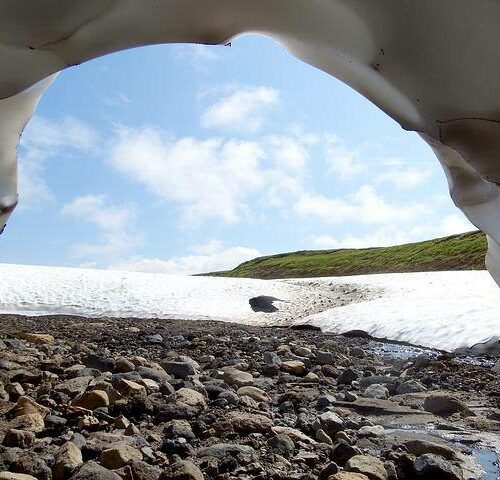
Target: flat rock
[419, 447]
[120, 456]
[15, 476]
[239, 378]
[38, 338]
[445, 405]
[223, 450]
[257, 394]
[370, 466]
[243, 422]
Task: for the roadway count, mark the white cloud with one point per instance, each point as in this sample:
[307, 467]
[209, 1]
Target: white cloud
[449, 225]
[394, 235]
[288, 152]
[382, 237]
[47, 135]
[112, 221]
[240, 110]
[404, 179]
[214, 259]
[341, 160]
[365, 205]
[42, 140]
[207, 178]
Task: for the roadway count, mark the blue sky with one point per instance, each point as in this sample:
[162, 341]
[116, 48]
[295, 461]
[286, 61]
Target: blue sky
[184, 158]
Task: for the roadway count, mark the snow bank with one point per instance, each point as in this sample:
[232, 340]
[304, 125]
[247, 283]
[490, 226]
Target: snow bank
[36, 290]
[442, 309]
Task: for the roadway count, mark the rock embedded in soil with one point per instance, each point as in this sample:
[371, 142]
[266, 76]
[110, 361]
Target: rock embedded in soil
[445, 405]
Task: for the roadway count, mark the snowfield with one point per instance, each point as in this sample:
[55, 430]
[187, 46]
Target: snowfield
[444, 310]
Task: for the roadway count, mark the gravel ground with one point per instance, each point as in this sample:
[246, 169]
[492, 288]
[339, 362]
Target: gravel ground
[144, 399]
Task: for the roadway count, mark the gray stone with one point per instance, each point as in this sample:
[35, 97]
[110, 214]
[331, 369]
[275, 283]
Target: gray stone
[410, 386]
[330, 422]
[282, 444]
[93, 471]
[429, 467]
[179, 369]
[376, 391]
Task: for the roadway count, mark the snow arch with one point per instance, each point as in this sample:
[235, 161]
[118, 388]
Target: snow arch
[432, 66]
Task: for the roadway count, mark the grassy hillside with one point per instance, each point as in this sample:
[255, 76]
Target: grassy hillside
[458, 252]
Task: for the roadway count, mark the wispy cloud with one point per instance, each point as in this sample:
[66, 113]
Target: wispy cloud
[114, 224]
[365, 206]
[242, 110]
[42, 141]
[404, 179]
[207, 258]
[341, 160]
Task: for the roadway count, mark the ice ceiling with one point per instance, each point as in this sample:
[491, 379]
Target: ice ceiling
[433, 66]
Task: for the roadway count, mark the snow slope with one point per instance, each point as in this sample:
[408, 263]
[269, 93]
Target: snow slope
[440, 309]
[35, 290]
[444, 310]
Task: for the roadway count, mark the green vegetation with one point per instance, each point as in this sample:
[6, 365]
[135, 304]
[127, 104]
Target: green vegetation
[457, 252]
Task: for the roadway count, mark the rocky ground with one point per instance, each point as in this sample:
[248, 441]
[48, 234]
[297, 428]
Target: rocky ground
[132, 399]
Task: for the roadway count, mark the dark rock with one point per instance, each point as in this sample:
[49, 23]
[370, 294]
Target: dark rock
[433, 467]
[98, 362]
[342, 452]
[179, 369]
[282, 444]
[93, 471]
[348, 376]
[329, 470]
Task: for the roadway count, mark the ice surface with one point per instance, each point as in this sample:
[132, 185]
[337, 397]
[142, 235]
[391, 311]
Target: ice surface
[441, 309]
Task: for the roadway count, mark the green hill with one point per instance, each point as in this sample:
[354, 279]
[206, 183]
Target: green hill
[457, 252]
